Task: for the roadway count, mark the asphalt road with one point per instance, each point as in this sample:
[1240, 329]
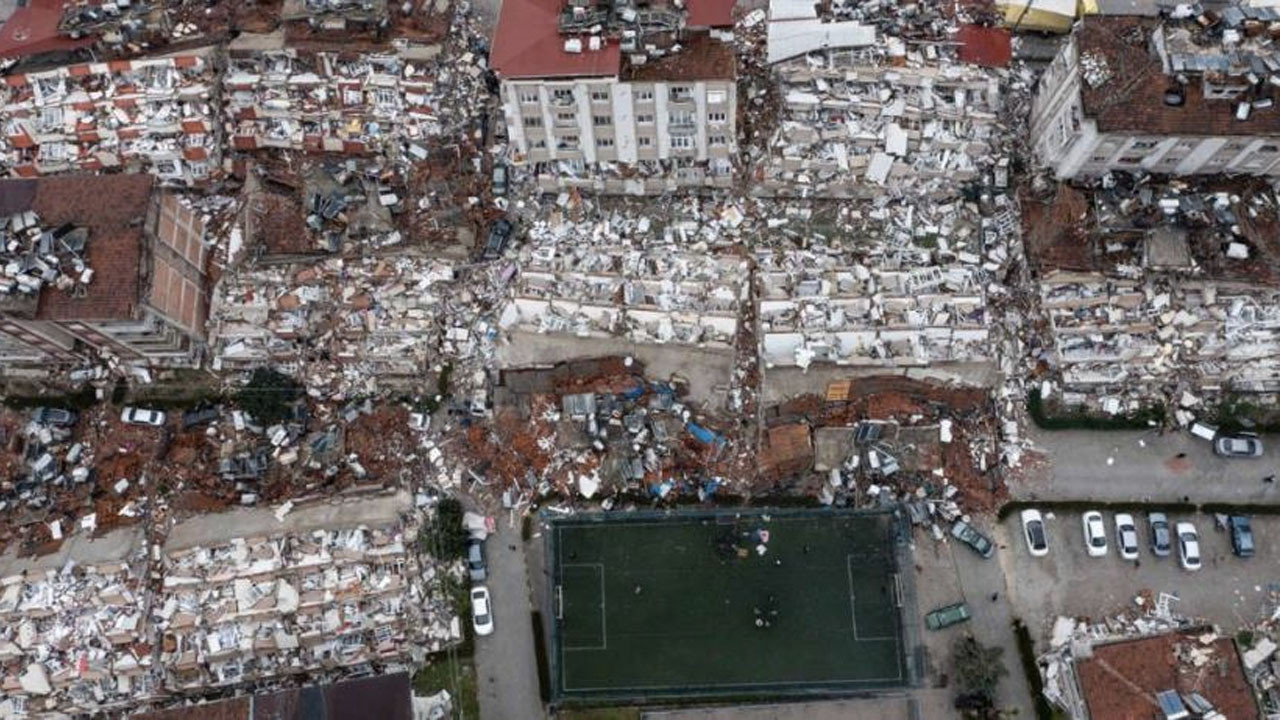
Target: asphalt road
[505, 662]
[1142, 466]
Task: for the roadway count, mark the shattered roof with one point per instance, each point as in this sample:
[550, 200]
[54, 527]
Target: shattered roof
[1121, 680]
[1132, 97]
[710, 13]
[112, 208]
[33, 29]
[528, 44]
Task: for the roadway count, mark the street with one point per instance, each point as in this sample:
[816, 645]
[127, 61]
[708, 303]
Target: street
[1126, 466]
[506, 666]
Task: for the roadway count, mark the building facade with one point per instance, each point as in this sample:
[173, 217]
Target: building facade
[1135, 94]
[576, 105]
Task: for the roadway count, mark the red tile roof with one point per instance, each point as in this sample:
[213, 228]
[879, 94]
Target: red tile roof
[33, 29]
[528, 44]
[1121, 680]
[710, 13]
[112, 208]
[986, 46]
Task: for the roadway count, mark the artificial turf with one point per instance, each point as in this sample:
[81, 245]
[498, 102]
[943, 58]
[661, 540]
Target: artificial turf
[651, 606]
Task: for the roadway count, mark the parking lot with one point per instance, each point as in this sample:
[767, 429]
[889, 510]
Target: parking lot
[1227, 590]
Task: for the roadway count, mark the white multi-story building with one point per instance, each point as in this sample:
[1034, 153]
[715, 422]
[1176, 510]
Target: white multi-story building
[577, 104]
[1160, 96]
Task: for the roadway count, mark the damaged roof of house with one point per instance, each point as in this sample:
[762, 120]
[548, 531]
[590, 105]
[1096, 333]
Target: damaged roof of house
[386, 697]
[528, 44]
[1121, 680]
[1132, 98]
[113, 209]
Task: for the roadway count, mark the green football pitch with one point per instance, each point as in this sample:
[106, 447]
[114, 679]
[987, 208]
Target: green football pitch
[687, 605]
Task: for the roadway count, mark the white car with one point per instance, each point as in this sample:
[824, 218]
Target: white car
[1033, 530]
[1095, 534]
[142, 416]
[1188, 545]
[1126, 536]
[481, 610]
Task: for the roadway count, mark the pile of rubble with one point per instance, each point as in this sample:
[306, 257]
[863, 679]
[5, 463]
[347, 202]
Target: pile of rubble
[33, 256]
[1165, 291]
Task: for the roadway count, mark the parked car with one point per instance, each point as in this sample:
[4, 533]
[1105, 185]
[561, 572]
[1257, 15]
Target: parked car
[142, 416]
[1126, 536]
[1241, 536]
[481, 610]
[475, 560]
[1095, 534]
[499, 179]
[947, 616]
[1033, 530]
[967, 534]
[499, 234]
[1240, 445]
[199, 416]
[1188, 545]
[54, 416]
[1161, 543]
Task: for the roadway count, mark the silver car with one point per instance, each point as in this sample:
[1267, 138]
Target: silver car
[1242, 445]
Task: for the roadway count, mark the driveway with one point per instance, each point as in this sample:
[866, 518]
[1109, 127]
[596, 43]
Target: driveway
[1141, 466]
[506, 667]
[1228, 591]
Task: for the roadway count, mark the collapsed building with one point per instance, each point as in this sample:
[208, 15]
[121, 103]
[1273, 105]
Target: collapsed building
[152, 114]
[619, 97]
[1158, 291]
[875, 98]
[107, 265]
[1175, 95]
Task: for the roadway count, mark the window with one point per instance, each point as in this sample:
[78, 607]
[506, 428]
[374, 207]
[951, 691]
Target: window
[198, 170]
[716, 117]
[644, 95]
[681, 142]
[601, 120]
[50, 119]
[533, 122]
[386, 97]
[528, 96]
[600, 96]
[645, 119]
[715, 97]
[645, 142]
[562, 95]
[680, 118]
[1131, 160]
[604, 142]
[1144, 144]
[1269, 148]
[568, 142]
[718, 140]
[565, 117]
[538, 144]
[681, 93]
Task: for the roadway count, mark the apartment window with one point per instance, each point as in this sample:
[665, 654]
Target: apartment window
[568, 142]
[644, 141]
[715, 97]
[1131, 160]
[1269, 148]
[681, 142]
[533, 122]
[566, 117]
[604, 142]
[53, 152]
[718, 140]
[528, 96]
[538, 144]
[681, 92]
[562, 94]
[50, 119]
[680, 118]
[198, 170]
[600, 96]
[1144, 144]
[644, 95]
[601, 120]
[716, 117]
[645, 119]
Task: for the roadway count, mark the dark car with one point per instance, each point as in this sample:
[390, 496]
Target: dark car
[1241, 536]
[199, 416]
[475, 561]
[967, 534]
[54, 416]
[1161, 540]
[499, 235]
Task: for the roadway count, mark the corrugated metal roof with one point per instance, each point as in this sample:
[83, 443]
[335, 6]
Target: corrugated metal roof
[792, 38]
